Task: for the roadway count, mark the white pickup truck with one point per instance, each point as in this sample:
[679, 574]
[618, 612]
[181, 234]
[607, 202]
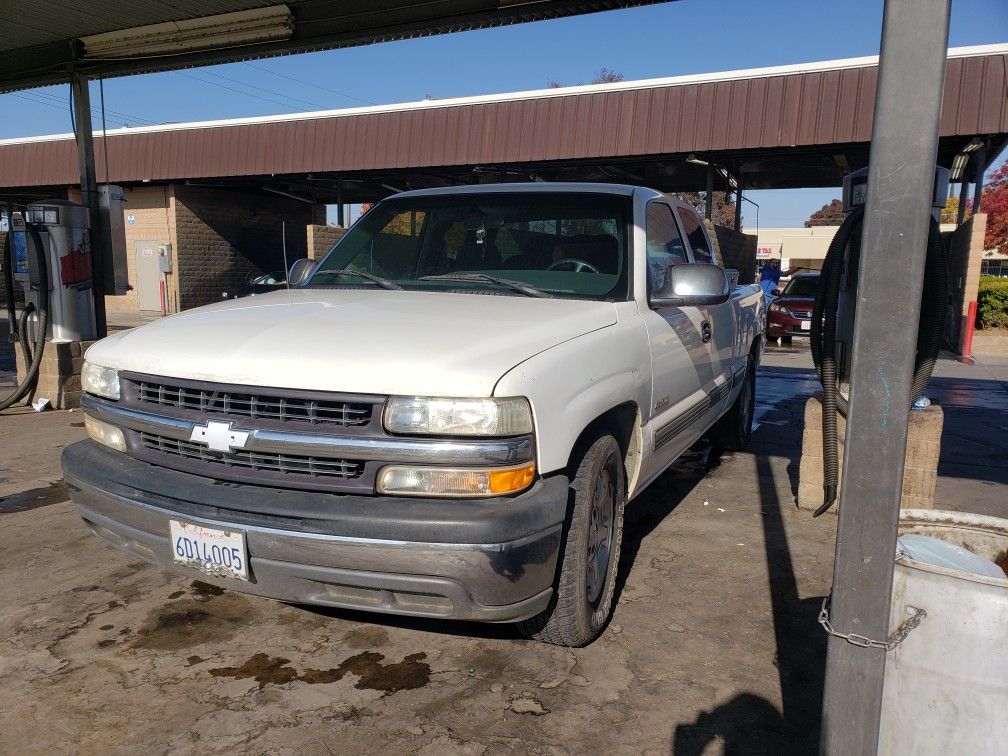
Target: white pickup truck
[445, 417]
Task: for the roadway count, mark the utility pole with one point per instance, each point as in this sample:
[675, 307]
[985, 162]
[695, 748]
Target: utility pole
[898, 211]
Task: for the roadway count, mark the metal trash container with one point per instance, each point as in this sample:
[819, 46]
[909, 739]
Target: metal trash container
[946, 684]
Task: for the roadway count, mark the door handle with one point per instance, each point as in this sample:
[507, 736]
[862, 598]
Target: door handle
[705, 331]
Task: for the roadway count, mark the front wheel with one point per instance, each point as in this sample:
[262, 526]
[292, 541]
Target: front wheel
[582, 600]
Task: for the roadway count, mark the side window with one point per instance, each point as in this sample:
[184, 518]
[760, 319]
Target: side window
[702, 252]
[665, 246]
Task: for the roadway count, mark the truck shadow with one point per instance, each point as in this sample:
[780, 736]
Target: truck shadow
[748, 722]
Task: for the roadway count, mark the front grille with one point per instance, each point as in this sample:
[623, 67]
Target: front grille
[290, 464]
[256, 406]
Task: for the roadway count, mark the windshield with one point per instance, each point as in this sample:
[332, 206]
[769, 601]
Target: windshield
[803, 286]
[563, 244]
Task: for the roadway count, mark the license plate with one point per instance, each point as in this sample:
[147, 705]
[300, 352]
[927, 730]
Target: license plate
[220, 553]
[806, 325]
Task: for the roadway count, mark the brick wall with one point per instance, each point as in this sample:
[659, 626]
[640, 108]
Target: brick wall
[735, 250]
[223, 237]
[965, 253]
[150, 207]
[322, 238]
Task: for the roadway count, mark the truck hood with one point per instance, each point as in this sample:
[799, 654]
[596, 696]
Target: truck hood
[354, 340]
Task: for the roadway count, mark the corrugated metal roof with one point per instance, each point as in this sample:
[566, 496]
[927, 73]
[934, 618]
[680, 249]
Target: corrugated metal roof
[42, 42]
[763, 109]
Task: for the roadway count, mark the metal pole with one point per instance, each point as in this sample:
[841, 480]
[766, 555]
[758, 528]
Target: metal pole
[89, 195]
[981, 166]
[898, 212]
[709, 207]
[738, 202]
[340, 216]
[963, 194]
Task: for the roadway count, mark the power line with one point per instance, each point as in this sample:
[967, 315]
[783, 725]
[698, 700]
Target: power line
[238, 91]
[309, 84]
[264, 89]
[61, 107]
[118, 115]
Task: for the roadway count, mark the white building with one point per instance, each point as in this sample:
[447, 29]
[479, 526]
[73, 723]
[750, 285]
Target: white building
[801, 247]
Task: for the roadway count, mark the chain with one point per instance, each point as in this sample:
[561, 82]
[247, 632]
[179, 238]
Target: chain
[897, 637]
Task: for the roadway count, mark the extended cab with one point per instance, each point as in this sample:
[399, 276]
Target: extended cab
[445, 417]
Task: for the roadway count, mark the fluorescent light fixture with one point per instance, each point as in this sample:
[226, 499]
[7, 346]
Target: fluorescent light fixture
[731, 179]
[695, 160]
[208, 33]
[975, 144]
[958, 165]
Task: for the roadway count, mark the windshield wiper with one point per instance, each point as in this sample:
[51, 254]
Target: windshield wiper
[382, 282]
[521, 288]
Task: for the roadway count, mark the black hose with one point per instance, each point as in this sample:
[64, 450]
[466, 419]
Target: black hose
[934, 302]
[32, 356]
[822, 340]
[8, 269]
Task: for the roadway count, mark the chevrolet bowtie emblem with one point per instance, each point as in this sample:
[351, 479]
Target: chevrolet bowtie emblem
[219, 436]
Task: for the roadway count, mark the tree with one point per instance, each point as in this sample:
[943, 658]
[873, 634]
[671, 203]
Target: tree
[994, 202]
[950, 213]
[722, 209]
[830, 214]
[605, 75]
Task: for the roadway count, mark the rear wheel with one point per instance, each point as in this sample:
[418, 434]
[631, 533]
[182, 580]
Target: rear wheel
[582, 600]
[732, 431]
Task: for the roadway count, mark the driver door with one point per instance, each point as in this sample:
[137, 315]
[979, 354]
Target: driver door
[682, 368]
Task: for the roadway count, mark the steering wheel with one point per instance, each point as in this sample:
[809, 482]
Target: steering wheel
[580, 266]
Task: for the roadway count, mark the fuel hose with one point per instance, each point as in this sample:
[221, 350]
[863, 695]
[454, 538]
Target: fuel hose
[32, 353]
[934, 304]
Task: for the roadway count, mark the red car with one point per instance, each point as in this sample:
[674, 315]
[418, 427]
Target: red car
[790, 314]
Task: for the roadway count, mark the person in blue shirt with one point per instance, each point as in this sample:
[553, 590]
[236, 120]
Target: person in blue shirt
[770, 276]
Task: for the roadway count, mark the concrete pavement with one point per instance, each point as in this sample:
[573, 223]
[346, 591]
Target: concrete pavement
[714, 646]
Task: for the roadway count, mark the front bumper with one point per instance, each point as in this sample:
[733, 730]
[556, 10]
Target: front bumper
[783, 325]
[491, 560]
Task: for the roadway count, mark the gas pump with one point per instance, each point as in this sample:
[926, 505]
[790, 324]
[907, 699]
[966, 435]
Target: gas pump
[48, 253]
[835, 306]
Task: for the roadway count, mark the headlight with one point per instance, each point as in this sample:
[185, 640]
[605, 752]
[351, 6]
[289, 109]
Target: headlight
[99, 380]
[780, 308]
[105, 433]
[407, 480]
[458, 417]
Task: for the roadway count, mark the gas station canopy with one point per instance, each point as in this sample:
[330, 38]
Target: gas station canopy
[45, 40]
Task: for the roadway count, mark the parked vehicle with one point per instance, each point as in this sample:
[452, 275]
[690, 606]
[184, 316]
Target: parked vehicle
[455, 407]
[790, 313]
[258, 283]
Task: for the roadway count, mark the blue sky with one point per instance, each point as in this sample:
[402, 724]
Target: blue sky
[689, 36]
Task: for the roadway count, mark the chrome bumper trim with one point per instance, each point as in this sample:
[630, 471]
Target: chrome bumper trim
[436, 451]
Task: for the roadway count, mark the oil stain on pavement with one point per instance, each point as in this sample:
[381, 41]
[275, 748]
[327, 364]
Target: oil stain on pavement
[191, 622]
[410, 673]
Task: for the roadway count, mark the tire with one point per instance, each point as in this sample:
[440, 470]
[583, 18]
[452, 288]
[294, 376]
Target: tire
[732, 431]
[583, 595]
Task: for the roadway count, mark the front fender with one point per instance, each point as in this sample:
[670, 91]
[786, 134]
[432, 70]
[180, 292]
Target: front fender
[573, 383]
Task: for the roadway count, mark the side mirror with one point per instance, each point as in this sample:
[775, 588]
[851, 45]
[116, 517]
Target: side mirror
[300, 271]
[692, 286]
[775, 293]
